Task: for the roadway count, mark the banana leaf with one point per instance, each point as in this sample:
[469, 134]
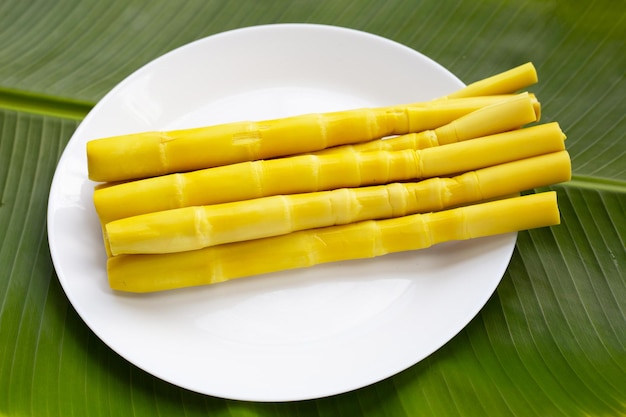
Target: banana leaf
[551, 341]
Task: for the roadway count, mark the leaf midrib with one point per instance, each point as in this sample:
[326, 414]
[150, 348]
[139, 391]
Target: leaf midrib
[45, 105]
[67, 108]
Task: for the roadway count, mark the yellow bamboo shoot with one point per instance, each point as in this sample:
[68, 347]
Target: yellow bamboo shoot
[196, 227]
[308, 173]
[371, 238]
[149, 154]
[500, 117]
[506, 82]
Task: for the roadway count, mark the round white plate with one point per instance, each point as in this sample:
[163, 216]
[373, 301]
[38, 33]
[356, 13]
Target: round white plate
[285, 336]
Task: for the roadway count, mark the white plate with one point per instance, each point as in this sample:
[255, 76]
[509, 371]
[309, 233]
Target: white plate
[285, 336]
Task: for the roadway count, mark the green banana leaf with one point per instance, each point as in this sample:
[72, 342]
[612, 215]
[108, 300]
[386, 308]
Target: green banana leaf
[551, 341]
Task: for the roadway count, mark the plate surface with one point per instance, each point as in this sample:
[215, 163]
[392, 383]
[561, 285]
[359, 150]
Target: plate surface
[285, 336]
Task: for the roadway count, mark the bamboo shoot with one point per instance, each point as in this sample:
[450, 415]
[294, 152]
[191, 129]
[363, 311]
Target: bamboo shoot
[196, 227]
[308, 173]
[500, 117]
[371, 238]
[149, 154]
[508, 81]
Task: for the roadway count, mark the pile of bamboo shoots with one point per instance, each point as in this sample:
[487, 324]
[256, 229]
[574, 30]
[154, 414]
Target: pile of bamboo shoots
[204, 205]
